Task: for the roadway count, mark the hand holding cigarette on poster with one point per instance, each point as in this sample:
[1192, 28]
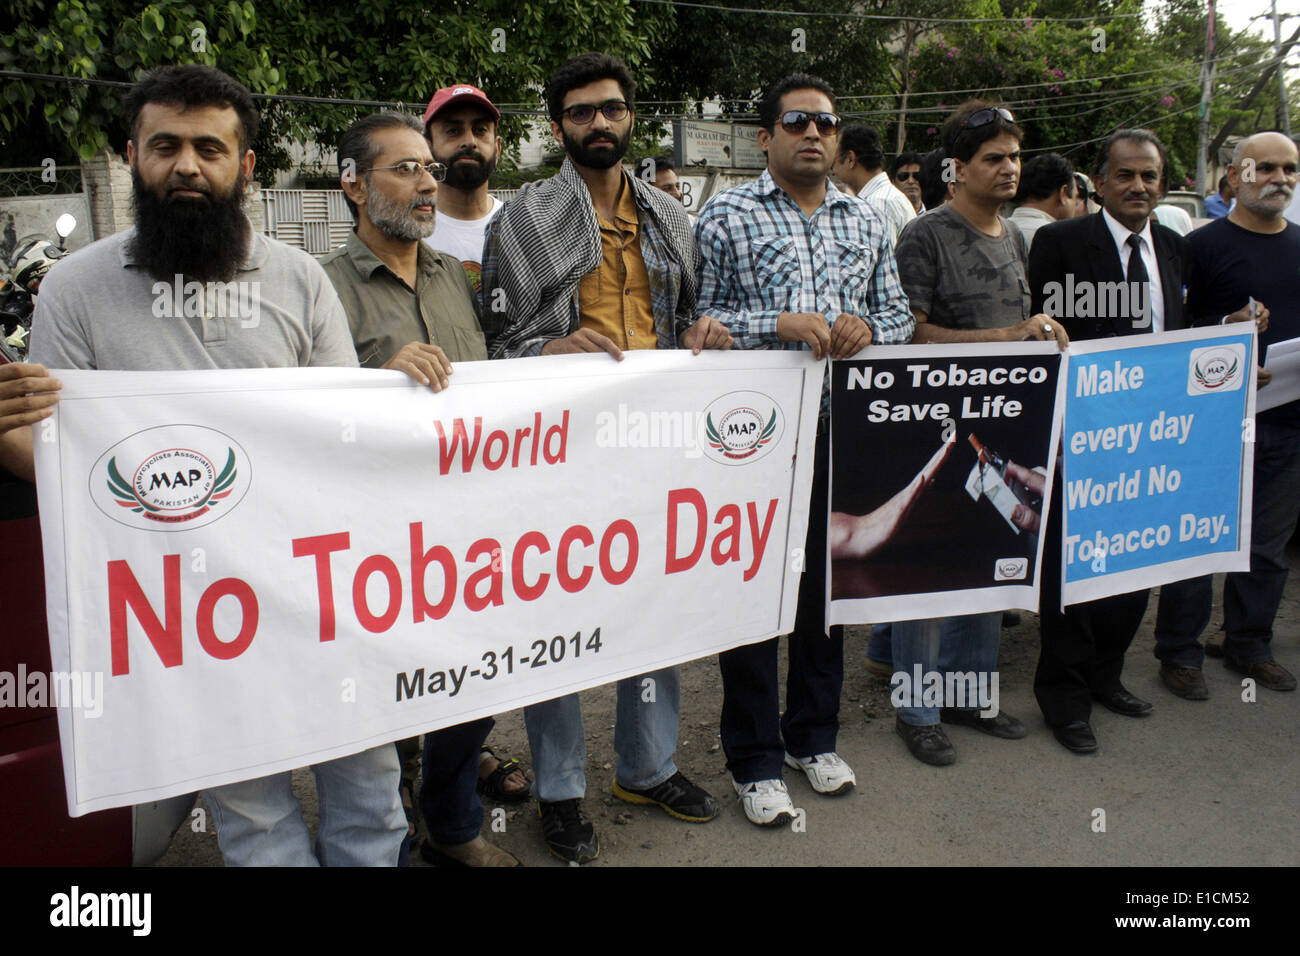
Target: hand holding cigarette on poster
[1014, 490]
[860, 536]
[1023, 516]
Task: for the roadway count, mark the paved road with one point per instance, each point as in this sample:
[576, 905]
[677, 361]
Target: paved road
[1229, 769]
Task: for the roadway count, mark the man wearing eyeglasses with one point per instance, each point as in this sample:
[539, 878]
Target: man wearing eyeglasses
[594, 260]
[790, 262]
[412, 308]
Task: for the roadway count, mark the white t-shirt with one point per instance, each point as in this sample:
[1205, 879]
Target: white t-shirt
[463, 238]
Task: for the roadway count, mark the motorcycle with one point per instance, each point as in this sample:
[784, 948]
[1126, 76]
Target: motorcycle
[31, 260]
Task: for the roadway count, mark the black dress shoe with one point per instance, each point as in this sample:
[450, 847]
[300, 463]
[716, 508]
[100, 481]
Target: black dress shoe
[1122, 702]
[1076, 736]
[1000, 724]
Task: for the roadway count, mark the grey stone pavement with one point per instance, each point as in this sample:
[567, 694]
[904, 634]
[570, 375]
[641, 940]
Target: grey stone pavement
[1195, 784]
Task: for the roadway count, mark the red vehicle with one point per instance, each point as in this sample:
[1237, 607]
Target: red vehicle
[35, 829]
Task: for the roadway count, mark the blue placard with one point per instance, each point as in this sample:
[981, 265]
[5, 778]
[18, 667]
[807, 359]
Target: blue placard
[1153, 450]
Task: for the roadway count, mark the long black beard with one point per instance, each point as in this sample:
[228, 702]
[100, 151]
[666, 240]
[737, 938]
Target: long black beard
[205, 240]
[465, 177]
[588, 158]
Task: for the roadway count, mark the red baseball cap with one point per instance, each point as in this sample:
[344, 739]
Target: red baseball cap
[455, 95]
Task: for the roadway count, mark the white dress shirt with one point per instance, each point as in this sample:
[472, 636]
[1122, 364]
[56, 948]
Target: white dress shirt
[889, 203]
[1120, 233]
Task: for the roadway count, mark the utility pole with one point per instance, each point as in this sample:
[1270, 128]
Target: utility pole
[1283, 108]
[1207, 84]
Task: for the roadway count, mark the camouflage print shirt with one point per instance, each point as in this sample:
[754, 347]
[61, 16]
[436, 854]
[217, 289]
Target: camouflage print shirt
[960, 277]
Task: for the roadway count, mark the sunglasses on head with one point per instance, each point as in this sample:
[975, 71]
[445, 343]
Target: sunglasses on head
[796, 121]
[985, 116]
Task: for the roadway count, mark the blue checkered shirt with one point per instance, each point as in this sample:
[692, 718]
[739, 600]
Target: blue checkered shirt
[761, 256]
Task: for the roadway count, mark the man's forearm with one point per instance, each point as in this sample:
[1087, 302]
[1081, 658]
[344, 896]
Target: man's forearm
[749, 330]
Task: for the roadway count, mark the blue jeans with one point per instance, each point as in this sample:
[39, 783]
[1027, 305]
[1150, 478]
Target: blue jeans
[259, 822]
[879, 646]
[645, 738]
[1250, 599]
[967, 643]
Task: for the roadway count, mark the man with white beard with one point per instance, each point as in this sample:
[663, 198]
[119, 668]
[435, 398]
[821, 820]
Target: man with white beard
[1249, 258]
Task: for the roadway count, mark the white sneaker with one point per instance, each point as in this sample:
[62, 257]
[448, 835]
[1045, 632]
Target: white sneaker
[828, 774]
[766, 802]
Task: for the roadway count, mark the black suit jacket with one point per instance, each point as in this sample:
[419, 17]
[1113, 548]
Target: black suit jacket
[1084, 250]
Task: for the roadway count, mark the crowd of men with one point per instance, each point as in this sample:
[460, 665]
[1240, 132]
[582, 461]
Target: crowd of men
[597, 260]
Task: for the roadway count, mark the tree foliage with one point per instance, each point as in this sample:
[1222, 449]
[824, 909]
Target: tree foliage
[1069, 83]
[381, 50]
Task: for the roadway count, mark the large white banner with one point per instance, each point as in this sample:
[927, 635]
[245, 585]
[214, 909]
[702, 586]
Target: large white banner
[271, 568]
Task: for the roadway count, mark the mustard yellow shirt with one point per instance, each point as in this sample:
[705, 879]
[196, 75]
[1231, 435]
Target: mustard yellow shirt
[614, 298]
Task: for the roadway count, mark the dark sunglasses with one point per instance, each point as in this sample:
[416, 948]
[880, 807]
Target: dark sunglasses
[796, 121]
[910, 174]
[583, 113]
[984, 117]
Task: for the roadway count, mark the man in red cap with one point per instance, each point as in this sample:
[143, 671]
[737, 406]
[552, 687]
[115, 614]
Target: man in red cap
[461, 125]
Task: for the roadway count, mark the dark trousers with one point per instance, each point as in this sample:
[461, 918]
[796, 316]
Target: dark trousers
[1083, 649]
[1250, 599]
[752, 735]
[449, 799]
[1181, 616]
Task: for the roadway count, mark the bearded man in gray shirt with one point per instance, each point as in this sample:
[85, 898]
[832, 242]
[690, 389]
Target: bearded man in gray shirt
[192, 286]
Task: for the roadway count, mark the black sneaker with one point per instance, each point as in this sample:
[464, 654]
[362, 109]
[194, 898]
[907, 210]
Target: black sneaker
[928, 744]
[568, 832]
[677, 796]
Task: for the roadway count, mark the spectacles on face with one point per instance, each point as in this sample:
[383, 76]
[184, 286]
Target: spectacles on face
[910, 174]
[795, 122]
[411, 170]
[984, 117]
[580, 114]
